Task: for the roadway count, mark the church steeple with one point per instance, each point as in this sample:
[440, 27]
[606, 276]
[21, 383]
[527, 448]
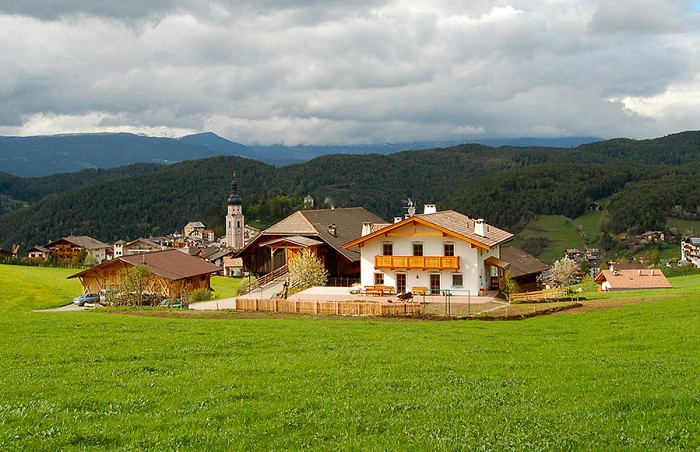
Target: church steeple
[235, 221]
[234, 198]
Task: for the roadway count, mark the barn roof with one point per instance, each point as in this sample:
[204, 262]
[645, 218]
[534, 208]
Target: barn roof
[169, 264]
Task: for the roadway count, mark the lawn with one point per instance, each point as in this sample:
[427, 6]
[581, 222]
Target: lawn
[623, 378]
[559, 231]
[684, 227]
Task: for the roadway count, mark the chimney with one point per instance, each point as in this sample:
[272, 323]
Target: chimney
[366, 228]
[652, 272]
[479, 227]
[398, 219]
[429, 208]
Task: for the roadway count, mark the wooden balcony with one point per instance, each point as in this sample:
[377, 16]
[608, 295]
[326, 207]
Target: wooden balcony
[417, 262]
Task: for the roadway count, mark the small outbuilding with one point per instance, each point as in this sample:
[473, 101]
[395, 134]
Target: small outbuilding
[632, 279]
[174, 273]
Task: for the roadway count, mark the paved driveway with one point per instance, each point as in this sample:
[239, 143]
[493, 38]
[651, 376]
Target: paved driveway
[214, 305]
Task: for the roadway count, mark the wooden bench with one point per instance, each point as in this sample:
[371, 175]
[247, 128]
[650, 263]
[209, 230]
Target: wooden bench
[378, 291]
[418, 290]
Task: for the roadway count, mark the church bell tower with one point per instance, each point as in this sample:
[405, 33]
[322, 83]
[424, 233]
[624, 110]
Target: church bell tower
[235, 222]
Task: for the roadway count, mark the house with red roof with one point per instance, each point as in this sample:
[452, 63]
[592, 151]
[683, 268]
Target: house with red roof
[632, 279]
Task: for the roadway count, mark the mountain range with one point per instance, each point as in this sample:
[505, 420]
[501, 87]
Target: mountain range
[45, 155]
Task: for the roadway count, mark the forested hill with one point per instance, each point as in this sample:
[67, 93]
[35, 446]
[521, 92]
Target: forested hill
[643, 180]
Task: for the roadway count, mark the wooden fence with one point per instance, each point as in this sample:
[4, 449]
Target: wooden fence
[372, 308]
[540, 295]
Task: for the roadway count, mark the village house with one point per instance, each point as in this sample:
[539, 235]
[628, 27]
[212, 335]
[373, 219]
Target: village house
[138, 246]
[194, 230]
[434, 252]
[9, 254]
[524, 269]
[690, 250]
[632, 279]
[68, 248]
[174, 273]
[322, 231]
[38, 252]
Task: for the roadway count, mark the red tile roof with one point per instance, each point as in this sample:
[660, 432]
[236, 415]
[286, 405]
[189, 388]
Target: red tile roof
[634, 279]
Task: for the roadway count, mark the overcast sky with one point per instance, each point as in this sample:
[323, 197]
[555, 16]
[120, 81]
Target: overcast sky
[341, 72]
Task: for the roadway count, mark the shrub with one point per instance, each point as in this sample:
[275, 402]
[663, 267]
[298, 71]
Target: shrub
[588, 284]
[199, 295]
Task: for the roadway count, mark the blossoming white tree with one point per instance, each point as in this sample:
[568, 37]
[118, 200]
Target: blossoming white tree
[307, 270]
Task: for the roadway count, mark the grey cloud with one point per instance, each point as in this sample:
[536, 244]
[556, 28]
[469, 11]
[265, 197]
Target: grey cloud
[638, 16]
[333, 72]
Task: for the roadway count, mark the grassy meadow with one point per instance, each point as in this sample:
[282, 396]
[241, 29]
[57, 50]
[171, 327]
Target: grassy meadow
[560, 232]
[622, 378]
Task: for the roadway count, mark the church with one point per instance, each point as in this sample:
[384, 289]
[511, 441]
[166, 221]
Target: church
[238, 234]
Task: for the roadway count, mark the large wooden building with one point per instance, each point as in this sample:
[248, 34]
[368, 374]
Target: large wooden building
[174, 273]
[322, 231]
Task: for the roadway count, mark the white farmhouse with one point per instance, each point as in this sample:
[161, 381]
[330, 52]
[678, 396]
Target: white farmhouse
[690, 250]
[433, 251]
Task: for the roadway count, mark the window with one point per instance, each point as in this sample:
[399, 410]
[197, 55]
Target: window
[457, 280]
[379, 279]
[387, 249]
[449, 249]
[417, 249]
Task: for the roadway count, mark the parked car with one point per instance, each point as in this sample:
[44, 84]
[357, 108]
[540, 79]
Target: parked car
[86, 298]
[106, 294]
[176, 303]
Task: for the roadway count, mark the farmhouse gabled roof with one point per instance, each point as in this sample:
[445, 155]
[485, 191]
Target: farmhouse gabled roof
[634, 279]
[521, 263]
[332, 226]
[83, 241]
[294, 240]
[148, 242]
[169, 264]
[450, 223]
[39, 248]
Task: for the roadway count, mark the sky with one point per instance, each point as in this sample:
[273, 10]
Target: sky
[339, 72]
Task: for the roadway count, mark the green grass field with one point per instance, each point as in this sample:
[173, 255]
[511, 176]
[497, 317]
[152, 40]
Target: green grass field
[622, 378]
[561, 233]
[684, 227]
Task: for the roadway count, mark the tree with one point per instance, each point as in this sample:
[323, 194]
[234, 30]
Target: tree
[307, 270]
[135, 283]
[90, 260]
[80, 258]
[510, 286]
[564, 272]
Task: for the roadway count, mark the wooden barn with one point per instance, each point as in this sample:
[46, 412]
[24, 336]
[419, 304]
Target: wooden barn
[174, 272]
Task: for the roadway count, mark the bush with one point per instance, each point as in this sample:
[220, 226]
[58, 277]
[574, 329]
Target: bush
[246, 286]
[588, 284]
[199, 295]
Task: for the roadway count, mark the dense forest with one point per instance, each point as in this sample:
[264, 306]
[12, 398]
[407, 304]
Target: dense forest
[643, 182]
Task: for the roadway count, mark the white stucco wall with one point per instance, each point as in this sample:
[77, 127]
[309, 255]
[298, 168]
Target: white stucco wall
[471, 260]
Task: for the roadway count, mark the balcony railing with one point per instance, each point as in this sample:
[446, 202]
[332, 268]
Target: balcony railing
[417, 262]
